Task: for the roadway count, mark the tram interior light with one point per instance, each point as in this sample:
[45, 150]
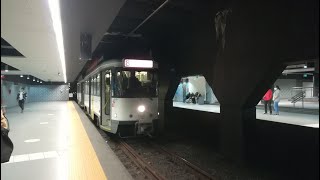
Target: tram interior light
[21, 75]
[6, 68]
[28, 77]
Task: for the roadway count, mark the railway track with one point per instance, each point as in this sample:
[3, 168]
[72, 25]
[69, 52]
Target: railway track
[139, 161]
[201, 173]
[152, 172]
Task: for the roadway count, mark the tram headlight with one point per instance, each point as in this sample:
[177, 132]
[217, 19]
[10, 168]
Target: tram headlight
[141, 108]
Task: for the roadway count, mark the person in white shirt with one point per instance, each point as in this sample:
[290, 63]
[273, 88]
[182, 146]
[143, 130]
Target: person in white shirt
[21, 97]
[276, 99]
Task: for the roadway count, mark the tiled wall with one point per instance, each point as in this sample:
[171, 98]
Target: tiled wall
[35, 93]
[287, 84]
[9, 91]
[286, 87]
[40, 93]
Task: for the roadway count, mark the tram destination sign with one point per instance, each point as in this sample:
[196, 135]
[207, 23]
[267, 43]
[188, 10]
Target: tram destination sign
[137, 63]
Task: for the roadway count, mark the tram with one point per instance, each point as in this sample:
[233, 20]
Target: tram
[121, 96]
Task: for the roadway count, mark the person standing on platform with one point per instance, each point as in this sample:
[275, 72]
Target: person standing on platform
[276, 99]
[267, 101]
[21, 97]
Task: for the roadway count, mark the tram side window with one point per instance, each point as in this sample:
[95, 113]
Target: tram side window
[94, 85]
[98, 85]
[86, 88]
[91, 83]
[107, 92]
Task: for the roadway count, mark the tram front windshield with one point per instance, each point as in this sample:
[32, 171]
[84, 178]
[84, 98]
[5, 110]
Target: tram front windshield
[132, 84]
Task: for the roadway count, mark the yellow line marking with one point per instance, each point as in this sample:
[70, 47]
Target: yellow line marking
[83, 161]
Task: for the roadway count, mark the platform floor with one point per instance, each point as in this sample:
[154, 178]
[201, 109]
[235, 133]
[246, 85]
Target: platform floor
[56, 141]
[305, 105]
[300, 119]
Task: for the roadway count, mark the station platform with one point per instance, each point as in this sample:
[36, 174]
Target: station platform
[56, 141]
[295, 118]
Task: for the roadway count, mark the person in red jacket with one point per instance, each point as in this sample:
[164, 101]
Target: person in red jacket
[267, 98]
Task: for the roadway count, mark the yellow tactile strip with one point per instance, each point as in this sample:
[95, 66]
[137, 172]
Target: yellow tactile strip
[83, 161]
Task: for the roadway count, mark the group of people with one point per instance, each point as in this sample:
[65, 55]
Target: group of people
[272, 96]
[192, 97]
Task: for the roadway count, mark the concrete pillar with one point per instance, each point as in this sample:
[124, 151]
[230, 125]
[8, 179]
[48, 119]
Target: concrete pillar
[316, 79]
[237, 127]
[315, 84]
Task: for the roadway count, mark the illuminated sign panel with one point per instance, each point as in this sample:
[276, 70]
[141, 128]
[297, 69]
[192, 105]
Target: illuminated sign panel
[136, 63]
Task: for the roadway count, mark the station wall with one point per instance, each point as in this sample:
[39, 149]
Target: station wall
[35, 93]
[196, 84]
[9, 91]
[42, 93]
[286, 87]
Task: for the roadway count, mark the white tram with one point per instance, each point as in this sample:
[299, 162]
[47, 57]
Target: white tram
[121, 96]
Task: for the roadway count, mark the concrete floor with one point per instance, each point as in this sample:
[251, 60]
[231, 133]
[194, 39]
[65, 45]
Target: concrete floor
[308, 120]
[47, 146]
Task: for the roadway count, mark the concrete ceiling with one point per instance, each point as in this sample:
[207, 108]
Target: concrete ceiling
[27, 26]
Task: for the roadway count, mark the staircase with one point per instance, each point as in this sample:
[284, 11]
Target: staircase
[298, 97]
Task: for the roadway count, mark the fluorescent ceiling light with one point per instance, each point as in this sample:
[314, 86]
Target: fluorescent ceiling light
[28, 77]
[54, 6]
[21, 75]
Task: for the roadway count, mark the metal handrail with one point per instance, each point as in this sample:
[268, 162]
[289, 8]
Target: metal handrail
[305, 89]
[298, 97]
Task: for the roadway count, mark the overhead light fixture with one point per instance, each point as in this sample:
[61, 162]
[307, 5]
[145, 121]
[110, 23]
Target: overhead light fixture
[21, 75]
[54, 6]
[305, 66]
[6, 68]
[34, 79]
[28, 77]
[41, 82]
[37, 80]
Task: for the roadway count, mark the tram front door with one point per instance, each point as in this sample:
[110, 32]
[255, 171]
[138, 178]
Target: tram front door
[106, 84]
